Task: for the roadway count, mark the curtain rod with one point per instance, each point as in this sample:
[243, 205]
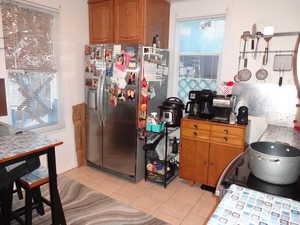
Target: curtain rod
[33, 4]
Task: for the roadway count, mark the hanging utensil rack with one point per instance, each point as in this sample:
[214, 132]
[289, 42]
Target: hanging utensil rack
[275, 51]
[281, 34]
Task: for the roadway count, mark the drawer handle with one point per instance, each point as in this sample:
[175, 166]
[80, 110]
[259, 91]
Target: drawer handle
[205, 163]
[195, 133]
[211, 164]
[225, 139]
[226, 131]
[195, 126]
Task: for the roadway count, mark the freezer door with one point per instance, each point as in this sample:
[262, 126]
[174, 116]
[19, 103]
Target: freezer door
[94, 129]
[119, 137]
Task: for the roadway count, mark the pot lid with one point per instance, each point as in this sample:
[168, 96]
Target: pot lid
[275, 149]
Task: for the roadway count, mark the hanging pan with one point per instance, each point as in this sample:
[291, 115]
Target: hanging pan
[244, 74]
[261, 74]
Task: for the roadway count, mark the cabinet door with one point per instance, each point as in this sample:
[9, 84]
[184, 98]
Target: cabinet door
[157, 18]
[193, 160]
[219, 157]
[101, 21]
[128, 21]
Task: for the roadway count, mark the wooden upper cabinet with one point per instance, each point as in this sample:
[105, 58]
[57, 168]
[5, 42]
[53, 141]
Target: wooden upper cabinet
[128, 21]
[157, 16]
[133, 21]
[101, 21]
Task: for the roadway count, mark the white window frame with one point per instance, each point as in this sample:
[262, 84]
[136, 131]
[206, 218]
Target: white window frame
[176, 58]
[56, 27]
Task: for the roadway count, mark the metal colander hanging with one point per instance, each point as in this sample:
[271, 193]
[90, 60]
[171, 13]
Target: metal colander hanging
[261, 74]
[244, 74]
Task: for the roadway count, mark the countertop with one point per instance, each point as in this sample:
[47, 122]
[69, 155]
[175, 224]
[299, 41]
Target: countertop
[287, 135]
[12, 144]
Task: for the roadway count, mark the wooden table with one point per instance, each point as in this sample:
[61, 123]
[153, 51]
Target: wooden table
[18, 147]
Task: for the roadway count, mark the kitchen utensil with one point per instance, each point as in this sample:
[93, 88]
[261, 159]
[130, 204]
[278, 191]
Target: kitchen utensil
[244, 74]
[258, 36]
[253, 36]
[266, 55]
[246, 35]
[276, 163]
[236, 78]
[240, 57]
[261, 74]
[282, 63]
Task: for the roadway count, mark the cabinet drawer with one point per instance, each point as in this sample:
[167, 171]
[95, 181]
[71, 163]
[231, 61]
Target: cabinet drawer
[201, 134]
[227, 130]
[227, 139]
[192, 124]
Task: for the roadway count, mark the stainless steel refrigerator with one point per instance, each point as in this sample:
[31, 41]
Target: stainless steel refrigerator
[123, 84]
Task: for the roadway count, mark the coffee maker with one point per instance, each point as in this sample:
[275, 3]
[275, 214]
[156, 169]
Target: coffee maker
[206, 104]
[200, 104]
[193, 106]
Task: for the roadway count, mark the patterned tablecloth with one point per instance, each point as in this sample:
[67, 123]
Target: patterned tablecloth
[13, 145]
[243, 206]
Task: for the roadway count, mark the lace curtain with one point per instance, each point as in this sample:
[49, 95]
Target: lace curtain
[27, 39]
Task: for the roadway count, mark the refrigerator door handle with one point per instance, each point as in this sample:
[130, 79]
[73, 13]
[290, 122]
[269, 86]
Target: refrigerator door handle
[100, 89]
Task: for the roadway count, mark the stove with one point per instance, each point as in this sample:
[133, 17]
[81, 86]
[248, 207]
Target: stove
[239, 172]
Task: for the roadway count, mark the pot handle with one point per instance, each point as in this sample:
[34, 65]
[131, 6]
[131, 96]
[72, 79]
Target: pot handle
[259, 157]
[274, 160]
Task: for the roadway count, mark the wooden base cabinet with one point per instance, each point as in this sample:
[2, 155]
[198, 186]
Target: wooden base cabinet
[207, 148]
[129, 21]
[194, 160]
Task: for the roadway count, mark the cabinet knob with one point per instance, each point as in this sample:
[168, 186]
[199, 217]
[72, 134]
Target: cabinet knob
[225, 139]
[226, 131]
[195, 133]
[195, 126]
[205, 163]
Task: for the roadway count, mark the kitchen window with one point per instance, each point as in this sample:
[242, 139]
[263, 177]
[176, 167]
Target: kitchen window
[32, 74]
[200, 44]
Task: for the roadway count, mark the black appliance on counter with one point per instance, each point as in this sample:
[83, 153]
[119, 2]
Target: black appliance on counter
[193, 106]
[238, 172]
[200, 104]
[171, 111]
[223, 106]
[242, 117]
[206, 104]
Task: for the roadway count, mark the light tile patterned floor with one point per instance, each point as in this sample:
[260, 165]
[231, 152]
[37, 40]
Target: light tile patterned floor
[179, 204]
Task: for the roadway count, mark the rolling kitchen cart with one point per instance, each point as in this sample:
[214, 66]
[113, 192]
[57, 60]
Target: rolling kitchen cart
[158, 170]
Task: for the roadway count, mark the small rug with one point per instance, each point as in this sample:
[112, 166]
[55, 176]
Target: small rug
[84, 206]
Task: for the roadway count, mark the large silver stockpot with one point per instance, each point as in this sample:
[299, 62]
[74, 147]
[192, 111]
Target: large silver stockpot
[276, 163]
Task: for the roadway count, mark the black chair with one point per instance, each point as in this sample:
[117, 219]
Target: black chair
[8, 176]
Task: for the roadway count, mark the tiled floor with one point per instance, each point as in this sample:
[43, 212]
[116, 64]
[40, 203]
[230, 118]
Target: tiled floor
[179, 204]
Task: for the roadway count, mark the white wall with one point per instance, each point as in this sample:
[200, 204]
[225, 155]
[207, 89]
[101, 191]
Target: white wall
[284, 15]
[72, 36]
